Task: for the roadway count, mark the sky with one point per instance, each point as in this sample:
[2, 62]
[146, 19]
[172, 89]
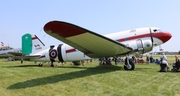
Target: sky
[18, 17]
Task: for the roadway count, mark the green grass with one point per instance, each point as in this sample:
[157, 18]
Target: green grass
[90, 80]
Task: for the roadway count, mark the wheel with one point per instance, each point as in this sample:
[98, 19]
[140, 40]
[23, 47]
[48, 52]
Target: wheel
[131, 67]
[40, 64]
[52, 65]
[77, 63]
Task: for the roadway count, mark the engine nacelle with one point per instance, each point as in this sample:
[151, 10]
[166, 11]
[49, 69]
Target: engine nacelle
[147, 45]
[144, 46]
[140, 46]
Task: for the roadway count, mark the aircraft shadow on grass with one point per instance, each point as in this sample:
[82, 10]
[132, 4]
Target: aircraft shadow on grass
[65, 76]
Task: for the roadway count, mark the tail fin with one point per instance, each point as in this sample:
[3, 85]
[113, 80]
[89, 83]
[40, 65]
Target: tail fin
[31, 44]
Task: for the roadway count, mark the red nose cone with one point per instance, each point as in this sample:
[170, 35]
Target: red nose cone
[166, 36]
[163, 36]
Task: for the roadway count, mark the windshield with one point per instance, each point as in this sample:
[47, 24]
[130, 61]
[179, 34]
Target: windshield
[156, 30]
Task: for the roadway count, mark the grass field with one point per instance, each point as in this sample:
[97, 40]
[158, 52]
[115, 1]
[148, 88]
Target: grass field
[90, 80]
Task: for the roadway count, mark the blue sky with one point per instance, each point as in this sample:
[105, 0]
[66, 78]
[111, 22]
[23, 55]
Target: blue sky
[19, 17]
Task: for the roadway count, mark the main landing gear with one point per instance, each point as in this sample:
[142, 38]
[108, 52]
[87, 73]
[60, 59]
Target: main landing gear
[129, 64]
[41, 64]
[51, 64]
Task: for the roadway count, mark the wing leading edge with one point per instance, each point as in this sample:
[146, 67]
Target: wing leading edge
[92, 44]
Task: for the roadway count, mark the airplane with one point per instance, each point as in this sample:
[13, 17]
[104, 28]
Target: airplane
[33, 49]
[7, 51]
[82, 44]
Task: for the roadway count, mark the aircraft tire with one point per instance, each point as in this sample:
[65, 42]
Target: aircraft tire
[76, 63]
[40, 65]
[132, 66]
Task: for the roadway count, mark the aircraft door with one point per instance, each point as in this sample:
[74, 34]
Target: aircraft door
[140, 45]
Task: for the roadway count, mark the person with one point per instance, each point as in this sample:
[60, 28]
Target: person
[151, 59]
[82, 62]
[164, 64]
[147, 59]
[157, 61]
[176, 66]
[21, 60]
[108, 61]
[134, 59]
[176, 58]
[115, 60]
[100, 61]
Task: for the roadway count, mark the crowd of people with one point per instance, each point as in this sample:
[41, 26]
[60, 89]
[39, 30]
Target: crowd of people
[108, 60]
[162, 61]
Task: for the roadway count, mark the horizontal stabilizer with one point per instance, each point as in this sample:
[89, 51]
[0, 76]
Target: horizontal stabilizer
[32, 57]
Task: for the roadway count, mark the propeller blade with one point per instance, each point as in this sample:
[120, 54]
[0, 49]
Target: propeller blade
[151, 37]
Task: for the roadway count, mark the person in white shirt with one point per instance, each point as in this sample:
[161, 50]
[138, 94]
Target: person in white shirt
[164, 64]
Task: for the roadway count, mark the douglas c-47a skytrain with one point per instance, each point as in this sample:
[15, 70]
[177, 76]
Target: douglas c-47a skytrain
[83, 44]
[10, 52]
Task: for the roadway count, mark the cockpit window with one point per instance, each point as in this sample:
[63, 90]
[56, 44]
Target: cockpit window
[156, 30]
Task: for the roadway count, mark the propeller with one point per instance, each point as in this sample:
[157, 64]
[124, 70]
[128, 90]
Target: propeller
[151, 36]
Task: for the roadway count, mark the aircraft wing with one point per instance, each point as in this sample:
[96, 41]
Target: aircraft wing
[92, 44]
[15, 53]
[5, 55]
[10, 54]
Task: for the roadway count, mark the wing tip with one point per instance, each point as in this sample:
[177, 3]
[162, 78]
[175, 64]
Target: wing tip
[63, 29]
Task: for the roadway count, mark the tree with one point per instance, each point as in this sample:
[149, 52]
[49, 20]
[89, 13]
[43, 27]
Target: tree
[179, 52]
